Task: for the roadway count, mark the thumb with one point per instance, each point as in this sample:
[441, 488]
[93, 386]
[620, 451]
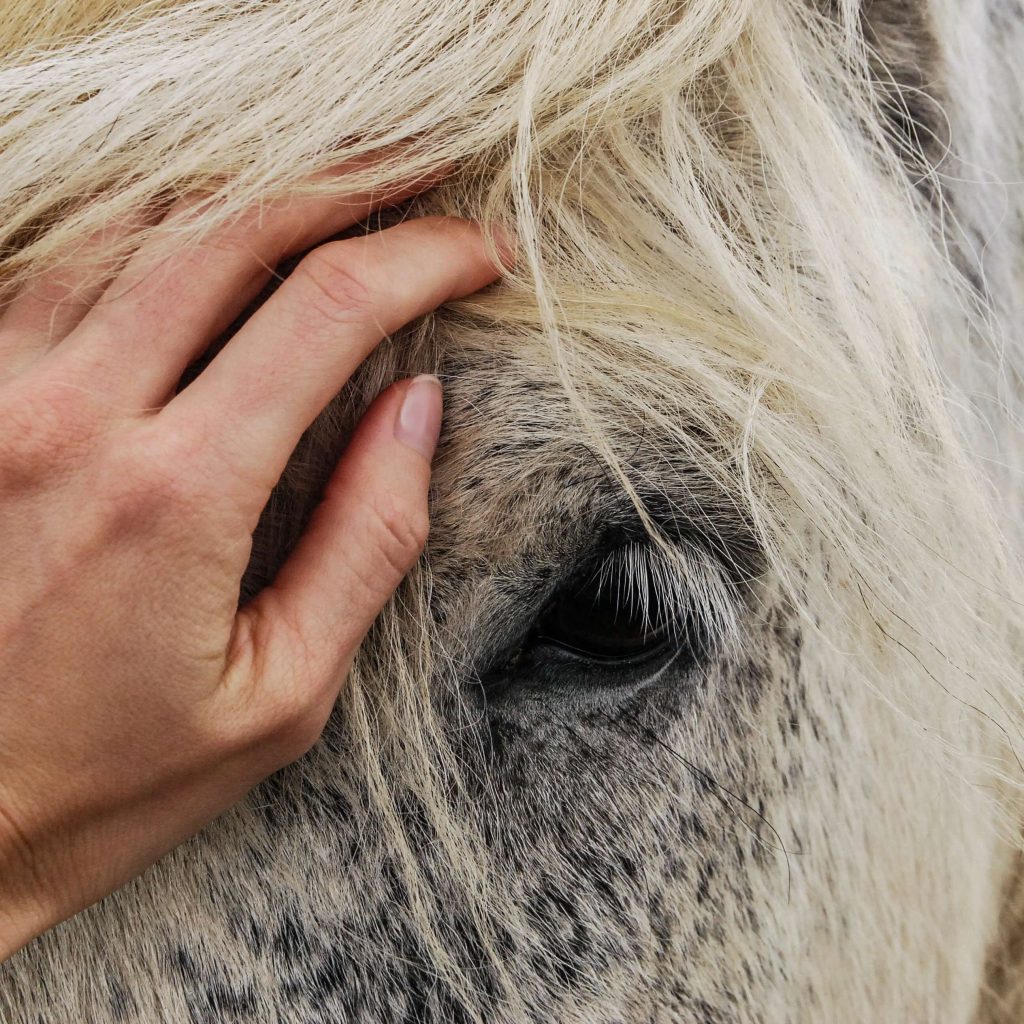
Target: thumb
[363, 538]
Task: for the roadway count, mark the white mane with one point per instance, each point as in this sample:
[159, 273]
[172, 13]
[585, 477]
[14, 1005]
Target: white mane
[720, 238]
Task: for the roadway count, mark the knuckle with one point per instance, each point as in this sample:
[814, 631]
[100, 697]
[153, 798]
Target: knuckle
[155, 470]
[338, 283]
[398, 534]
[46, 428]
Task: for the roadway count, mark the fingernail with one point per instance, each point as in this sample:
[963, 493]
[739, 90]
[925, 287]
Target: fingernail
[419, 420]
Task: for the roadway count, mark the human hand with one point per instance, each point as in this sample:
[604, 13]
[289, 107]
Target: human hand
[138, 700]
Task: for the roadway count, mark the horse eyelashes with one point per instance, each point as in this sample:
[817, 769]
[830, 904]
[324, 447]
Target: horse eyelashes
[637, 602]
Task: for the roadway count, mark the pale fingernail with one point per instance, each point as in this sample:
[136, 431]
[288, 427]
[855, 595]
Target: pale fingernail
[419, 420]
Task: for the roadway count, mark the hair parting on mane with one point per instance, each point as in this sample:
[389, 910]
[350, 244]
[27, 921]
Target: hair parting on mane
[718, 238]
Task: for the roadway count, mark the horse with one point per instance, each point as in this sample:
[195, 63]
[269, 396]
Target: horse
[704, 702]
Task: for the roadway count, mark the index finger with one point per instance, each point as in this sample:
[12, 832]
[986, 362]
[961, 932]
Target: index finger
[268, 384]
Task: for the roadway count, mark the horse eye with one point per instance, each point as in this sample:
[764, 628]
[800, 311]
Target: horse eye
[599, 621]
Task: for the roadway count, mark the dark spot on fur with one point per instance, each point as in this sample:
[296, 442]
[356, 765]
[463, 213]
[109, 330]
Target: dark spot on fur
[122, 1005]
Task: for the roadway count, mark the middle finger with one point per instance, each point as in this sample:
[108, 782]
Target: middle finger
[249, 407]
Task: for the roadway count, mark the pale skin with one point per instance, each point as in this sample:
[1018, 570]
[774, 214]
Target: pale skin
[139, 700]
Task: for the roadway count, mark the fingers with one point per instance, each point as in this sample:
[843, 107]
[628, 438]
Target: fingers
[363, 538]
[44, 312]
[252, 403]
[172, 300]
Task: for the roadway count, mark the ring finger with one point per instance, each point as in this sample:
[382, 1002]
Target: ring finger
[48, 308]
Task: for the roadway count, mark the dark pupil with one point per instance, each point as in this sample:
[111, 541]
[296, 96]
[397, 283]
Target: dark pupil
[599, 622]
